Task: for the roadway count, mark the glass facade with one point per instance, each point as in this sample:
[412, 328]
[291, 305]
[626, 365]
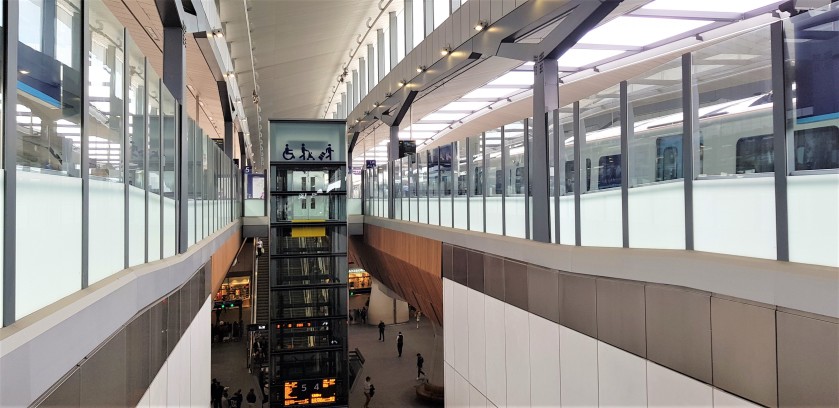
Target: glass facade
[96, 155]
[620, 158]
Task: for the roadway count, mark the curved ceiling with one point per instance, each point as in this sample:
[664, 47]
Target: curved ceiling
[299, 47]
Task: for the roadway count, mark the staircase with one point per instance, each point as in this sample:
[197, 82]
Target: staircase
[262, 284]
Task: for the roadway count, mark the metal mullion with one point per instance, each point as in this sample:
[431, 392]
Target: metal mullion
[577, 155]
[503, 182]
[526, 179]
[380, 53]
[146, 101]
[689, 120]
[126, 66]
[783, 139]
[440, 188]
[85, 140]
[428, 19]
[468, 184]
[11, 23]
[484, 175]
[557, 146]
[627, 127]
[394, 40]
[160, 160]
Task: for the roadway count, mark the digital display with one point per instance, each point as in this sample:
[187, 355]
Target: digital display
[305, 392]
[302, 325]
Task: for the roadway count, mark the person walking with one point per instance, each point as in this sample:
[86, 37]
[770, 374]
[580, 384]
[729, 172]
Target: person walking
[369, 390]
[381, 330]
[236, 399]
[420, 360]
[251, 399]
[364, 315]
[399, 342]
[215, 393]
[418, 318]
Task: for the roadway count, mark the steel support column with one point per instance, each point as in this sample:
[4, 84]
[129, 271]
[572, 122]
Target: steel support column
[380, 52]
[371, 67]
[394, 39]
[11, 22]
[577, 155]
[409, 24]
[174, 78]
[689, 142]
[627, 128]
[428, 18]
[783, 138]
[545, 100]
[85, 143]
[392, 154]
[362, 78]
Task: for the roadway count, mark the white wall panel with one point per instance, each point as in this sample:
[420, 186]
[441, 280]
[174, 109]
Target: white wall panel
[667, 388]
[200, 357]
[173, 364]
[448, 329]
[461, 393]
[477, 341]
[461, 329]
[157, 389]
[518, 356]
[496, 362]
[578, 368]
[448, 383]
[476, 399]
[622, 377]
[145, 402]
[723, 399]
[544, 362]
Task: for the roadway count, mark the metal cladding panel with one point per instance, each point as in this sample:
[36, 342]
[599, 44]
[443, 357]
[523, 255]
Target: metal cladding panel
[515, 284]
[743, 349]
[808, 361]
[475, 278]
[678, 324]
[620, 315]
[494, 277]
[578, 303]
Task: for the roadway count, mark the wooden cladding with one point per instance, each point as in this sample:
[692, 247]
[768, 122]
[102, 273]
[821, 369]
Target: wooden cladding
[407, 264]
[223, 258]
[421, 252]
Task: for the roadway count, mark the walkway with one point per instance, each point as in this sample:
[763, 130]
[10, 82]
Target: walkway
[229, 363]
[393, 377]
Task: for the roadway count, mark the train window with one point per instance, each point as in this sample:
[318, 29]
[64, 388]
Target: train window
[817, 149]
[755, 154]
[609, 174]
[519, 175]
[479, 181]
[588, 174]
[499, 181]
[668, 158]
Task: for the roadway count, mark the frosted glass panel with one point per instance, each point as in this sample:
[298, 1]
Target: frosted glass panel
[735, 216]
[568, 222]
[49, 239]
[600, 216]
[168, 227]
[106, 229]
[136, 226]
[154, 228]
[814, 219]
[656, 216]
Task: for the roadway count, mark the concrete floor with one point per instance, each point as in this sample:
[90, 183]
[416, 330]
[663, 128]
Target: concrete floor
[393, 377]
[229, 362]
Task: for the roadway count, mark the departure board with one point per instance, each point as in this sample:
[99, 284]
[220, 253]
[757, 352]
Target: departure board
[305, 392]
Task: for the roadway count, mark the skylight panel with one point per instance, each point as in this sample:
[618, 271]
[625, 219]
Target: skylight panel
[636, 32]
[578, 57]
[712, 6]
[491, 93]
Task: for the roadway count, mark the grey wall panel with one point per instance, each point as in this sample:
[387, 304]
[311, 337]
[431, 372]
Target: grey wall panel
[459, 265]
[138, 355]
[475, 277]
[578, 303]
[808, 361]
[515, 284]
[186, 312]
[620, 315]
[447, 261]
[158, 316]
[68, 394]
[494, 277]
[543, 292]
[678, 324]
[103, 375]
[173, 322]
[743, 349]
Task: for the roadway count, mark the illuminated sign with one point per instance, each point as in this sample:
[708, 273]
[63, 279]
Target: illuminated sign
[304, 392]
[302, 325]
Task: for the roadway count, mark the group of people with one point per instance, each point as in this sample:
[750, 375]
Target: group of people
[359, 315]
[220, 398]
[369, 388]
[222, 330]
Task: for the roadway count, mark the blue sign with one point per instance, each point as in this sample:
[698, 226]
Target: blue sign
[248, 169]
[371, 164]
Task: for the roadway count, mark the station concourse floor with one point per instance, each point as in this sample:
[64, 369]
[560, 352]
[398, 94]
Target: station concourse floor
[393, 377]
[229, 361]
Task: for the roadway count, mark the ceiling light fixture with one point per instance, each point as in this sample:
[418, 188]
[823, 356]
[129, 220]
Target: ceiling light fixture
[402, 83]
[421, 68]
[482, 24]
[445, 51]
